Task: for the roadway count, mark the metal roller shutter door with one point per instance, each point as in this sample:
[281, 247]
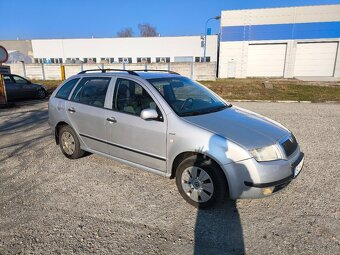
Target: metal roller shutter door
[315, 59]
[266, 60]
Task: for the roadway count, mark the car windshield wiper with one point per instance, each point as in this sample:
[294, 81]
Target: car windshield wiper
[185, 114]
[220, 108]
[217, 109]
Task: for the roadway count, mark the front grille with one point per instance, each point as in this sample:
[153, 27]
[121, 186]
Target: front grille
[289, 145]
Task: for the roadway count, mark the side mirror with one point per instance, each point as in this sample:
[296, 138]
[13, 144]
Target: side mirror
[149, 114]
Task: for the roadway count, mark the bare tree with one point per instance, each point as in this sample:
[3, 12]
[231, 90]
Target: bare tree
[125, 32]
[146, 30]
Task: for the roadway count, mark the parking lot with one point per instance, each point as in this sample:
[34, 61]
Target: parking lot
[52, 205]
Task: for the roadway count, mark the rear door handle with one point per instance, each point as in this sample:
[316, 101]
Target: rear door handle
[111, 120]
[71, 109]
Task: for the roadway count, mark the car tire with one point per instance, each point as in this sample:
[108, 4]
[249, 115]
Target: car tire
[201, 182]
[69, 143]
[41, 94]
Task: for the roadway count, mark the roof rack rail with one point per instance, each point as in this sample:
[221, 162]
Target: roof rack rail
[109, 70]
[151, 70]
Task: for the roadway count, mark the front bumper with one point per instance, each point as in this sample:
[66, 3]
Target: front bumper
[252, 179]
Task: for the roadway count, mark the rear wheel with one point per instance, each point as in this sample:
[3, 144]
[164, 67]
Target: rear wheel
[201, 182]
[69, 143]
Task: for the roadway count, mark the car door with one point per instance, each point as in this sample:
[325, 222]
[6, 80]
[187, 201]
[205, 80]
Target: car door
[12, 89]
[26, 90]
[87, 113]
[132, 138]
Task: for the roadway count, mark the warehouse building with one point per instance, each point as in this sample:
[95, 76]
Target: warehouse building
[280, 42]
[125, 50]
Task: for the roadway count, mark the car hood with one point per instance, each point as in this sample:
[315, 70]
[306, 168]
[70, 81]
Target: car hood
[244, 127]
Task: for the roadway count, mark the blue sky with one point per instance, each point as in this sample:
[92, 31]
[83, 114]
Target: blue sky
[29, 19]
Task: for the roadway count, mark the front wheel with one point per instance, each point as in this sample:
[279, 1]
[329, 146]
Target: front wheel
[41, 94]
[201, 182]
[69, 143]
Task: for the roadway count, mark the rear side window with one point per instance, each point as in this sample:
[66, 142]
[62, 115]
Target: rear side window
[66, 89]
[91, 91]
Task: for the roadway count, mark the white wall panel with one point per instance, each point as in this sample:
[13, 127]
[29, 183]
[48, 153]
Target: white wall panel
[134, 47]
[303, 14]
[266, 60]
[315, 59]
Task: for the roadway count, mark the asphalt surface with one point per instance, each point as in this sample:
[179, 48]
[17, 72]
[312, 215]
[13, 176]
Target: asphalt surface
[52, 205]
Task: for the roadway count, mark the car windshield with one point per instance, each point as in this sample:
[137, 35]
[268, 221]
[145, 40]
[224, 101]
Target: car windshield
[186, 97]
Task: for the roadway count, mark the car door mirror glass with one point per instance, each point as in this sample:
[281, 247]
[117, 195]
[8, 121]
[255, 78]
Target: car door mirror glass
[149, 114]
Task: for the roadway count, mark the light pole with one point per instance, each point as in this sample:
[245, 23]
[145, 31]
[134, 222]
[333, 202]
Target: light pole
[205, 36]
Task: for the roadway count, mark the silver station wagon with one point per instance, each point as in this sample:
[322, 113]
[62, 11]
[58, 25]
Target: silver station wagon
[168, 124]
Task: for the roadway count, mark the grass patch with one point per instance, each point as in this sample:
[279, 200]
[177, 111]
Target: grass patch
[289, 89]
[50, 84]
[253, 89]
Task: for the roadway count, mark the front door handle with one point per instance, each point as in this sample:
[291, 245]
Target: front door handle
[71, 109]
[111, 120]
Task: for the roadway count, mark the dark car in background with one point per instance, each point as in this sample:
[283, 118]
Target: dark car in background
[18, 87]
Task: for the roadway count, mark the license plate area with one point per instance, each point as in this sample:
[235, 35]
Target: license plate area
[298, 165]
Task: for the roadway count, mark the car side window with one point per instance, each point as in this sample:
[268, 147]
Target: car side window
[66, 89]
[130, 97]
[19, 79]
[7, 79]
[91, 91]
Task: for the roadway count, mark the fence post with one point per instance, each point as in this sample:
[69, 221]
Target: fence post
[23, 69]
[146, 66]
[81, 66]
[43, 71]
[3, 97]
[62, 71]
[102, 65]
[192, 70]
[169, 66]
[123, 65]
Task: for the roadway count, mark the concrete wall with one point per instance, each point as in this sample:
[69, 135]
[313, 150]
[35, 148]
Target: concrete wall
[134, 47]
[292, 25]
[196, 71]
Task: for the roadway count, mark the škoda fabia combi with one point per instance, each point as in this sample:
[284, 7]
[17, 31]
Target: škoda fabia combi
[169, 125]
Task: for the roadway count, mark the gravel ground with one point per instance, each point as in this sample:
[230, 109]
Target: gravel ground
[52, 205]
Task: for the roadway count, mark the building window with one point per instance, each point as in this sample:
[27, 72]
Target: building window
[125, 60]
[107, 60]
[201, 59]
[144, 60]
[162, 60]
[56, 60]
[90, 60]
[184, 59]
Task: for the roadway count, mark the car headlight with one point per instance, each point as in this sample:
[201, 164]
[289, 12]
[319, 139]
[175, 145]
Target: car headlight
[268, 153]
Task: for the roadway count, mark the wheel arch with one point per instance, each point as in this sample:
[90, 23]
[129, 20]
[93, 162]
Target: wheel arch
[57, 129]
[184, 155]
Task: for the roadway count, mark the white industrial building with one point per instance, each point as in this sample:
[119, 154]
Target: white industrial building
[274, 42]
[280, 42]
[125, 50]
